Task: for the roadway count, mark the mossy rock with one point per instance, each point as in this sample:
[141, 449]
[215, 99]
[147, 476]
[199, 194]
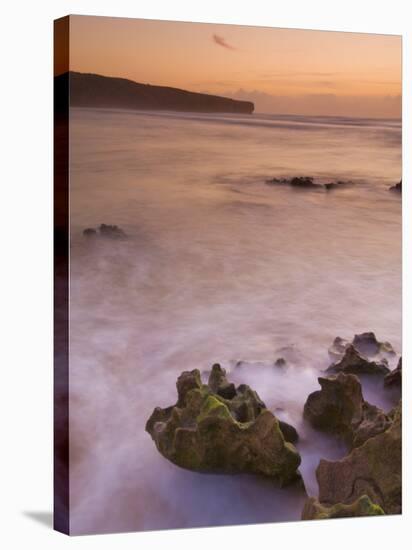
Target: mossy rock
[208, 432]
[362, 507]
[373, 469]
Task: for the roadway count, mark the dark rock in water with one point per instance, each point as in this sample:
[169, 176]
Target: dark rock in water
[280, 363]
[207, 432]
[289, 432]
[111, 231]
[365, 343]
[339, 408]
[362, 507]
[105, 231]
[338, 348]
[90, 232]
[353, 362]
[394, 378]
[396, 187]
[373, 469]
[306, 182]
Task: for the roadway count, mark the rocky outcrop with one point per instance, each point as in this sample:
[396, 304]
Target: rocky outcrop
[373, 469]
[362, 507]
[105, 231]
[394, 378]
[339, 408]
[306, 182]
[353, 362]
[366, 344]
[218, 428]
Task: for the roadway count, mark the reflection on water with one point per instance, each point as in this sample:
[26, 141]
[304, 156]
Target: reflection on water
[219, 267]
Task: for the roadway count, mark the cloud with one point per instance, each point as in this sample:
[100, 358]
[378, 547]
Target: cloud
[220, 41]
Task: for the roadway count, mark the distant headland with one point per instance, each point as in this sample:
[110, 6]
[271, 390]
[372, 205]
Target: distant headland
[92, 90]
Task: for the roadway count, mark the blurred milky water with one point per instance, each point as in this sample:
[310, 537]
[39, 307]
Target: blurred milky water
[219, 266]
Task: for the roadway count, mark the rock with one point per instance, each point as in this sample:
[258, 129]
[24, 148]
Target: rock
[90, 232]
[208, 432]
[111, 231]
[366, 344]
[306, 182]
[397, 187]
[105, 231]
[353, 362]
[373, 469]
[338, 348]
[339, 408]
[289, 432]
[280, 362]
[394, 378]
[362, 507]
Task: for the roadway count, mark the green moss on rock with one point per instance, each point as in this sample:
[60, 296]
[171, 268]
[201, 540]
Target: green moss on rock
[213, 429]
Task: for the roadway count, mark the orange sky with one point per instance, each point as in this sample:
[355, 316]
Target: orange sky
[281, 70]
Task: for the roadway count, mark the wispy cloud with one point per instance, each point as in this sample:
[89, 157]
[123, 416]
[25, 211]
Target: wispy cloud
[220, 41]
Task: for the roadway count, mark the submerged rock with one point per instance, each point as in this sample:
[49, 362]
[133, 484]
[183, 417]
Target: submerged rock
[373, 469]
[90, 232]
[353, 362]
[396, 187]
[339, 408]
[106, 231]
[362, 507]
[306, 182]
[221, 429]
[365, 343]
[394, 378]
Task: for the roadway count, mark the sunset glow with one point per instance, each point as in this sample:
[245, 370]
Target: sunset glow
[281, 70]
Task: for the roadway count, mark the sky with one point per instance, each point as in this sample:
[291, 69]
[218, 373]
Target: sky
[285, 71]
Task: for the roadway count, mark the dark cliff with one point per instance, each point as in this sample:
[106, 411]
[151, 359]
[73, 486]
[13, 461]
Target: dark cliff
[91, 90]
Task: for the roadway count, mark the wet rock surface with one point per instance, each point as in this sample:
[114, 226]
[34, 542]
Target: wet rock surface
[218, 428]
[362, 507]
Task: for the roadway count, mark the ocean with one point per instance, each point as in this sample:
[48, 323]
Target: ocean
[218, 266]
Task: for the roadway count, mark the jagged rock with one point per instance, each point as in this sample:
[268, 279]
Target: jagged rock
[394, 378]
[353, 362]
[366, 344]
[338, 348]
[396, 187]
[208, 432]
[339, 408]
[363, 506]
[373, 469]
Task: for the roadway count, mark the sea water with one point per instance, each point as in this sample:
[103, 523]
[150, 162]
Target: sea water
[218, 266]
